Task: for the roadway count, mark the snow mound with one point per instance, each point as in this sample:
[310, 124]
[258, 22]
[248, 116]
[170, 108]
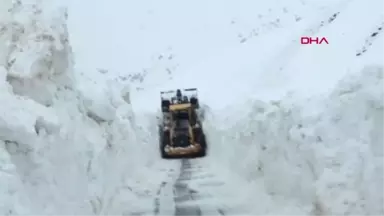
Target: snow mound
[68, 141]
[325, 152]
[36, 51]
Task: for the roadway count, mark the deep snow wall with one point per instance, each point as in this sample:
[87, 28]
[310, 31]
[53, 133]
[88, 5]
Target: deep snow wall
[326, 152]
[65, 135]
[312, 129]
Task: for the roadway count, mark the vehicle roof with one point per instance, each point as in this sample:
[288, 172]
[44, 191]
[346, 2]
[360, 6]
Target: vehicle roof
[176, 107]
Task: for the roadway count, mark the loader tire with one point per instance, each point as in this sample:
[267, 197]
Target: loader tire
[163, 140]
[200, 138]
[165, 105]
[195, 102]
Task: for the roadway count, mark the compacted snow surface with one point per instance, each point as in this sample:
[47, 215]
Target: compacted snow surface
[292, 129]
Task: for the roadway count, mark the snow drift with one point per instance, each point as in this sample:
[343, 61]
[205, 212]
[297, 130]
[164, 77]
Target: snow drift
[324, 151]
[62, 143]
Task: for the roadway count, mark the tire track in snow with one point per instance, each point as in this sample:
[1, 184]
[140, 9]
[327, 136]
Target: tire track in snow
[193, 190]
[188, 200]
[163, 203]
[183, 193]
[157, 199]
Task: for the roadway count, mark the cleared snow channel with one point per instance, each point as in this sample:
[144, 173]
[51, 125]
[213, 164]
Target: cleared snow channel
[292, 129]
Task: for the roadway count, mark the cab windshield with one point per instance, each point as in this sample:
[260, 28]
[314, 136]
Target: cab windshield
[182, 123]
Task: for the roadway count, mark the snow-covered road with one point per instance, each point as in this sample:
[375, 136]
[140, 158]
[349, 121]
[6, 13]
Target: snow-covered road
[292, 129]
[190, 192]
[196, 188]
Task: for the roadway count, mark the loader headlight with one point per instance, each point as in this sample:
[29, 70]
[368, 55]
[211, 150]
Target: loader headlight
[167, 148]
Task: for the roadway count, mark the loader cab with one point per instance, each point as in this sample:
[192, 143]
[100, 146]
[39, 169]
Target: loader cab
[181, 127]
[181, 111]
[180, 100]
[182, 115]
[180, 121]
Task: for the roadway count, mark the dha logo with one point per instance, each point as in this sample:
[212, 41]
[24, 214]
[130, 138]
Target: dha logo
[313, 40]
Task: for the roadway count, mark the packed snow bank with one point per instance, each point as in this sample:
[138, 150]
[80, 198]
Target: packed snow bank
[325, 152]
[65, 148]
